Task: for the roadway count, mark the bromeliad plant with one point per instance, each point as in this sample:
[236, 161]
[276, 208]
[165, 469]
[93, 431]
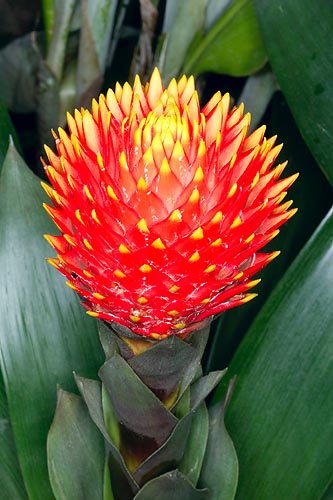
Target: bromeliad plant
[163, 209]
[167, 212]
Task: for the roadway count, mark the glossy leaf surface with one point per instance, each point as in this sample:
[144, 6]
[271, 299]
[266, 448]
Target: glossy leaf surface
[220, 466]
[35, 357]
[171, 486]
[280, 413]
[75, 450]
[233, 46]
[300, 53]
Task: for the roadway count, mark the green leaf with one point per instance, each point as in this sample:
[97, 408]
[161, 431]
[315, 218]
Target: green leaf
[194, 453]
[301, 55]
[220, 466]
[121, 479]
[11, 480]
[138, 408]
[171, 486]
[75, 451]
[44, 333]
[168, 455]
[204, 386]
[233, 46]
[6, 130]
[280, 413]
[179, 28]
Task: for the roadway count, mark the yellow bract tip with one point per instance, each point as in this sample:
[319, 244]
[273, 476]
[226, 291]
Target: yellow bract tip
[194, 257]
[233, 190]
[174, 289]
[93, 314]
[142, 300]
[119, 273]
[176, 216]
[142, 226]
[173, 313]
[135, 319]
[87, 244]
[98, 296]
[199, 175]
[217, 218]
[165, 168]
[237, 222]
[123, 249]
[216, 243]
[111, 193]
[210, 269]
[142, 185]
[195, 196]
[249, 297]
[158, 244]
[198, 234]
[145, 268]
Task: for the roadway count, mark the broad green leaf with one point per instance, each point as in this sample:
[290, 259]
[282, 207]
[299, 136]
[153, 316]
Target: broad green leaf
[280, 415]
[299, 39]
[171, 486]
[220, 465]
[179, 27]
[44, 333]
[11, 480]
[214, 10]
[313, 196]
[75, 451]
[194, 453]
[6, 131]
[137, 407]
[233, 46]
[121, 480]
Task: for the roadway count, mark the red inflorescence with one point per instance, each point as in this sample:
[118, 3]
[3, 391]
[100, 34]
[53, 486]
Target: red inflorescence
[163, 206]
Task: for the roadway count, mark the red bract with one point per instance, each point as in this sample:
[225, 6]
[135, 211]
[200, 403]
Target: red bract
[162, 206]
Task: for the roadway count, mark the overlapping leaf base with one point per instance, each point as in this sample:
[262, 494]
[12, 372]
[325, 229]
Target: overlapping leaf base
[152, 417]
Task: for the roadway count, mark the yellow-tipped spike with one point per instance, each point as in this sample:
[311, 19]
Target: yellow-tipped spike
[195, 196]
[238, 276]
[70, 285]
[237, 222]
[123, 249]
[199, 175]
[145, 268]
[165, 167]
[119, 273]
[135, 319]
[142, 300]
[100, 161]
[158, 244]
[205, 301]
[88, 193]
[252, 283]
[142, 226]
[142, 185]
[69, 240]
[179, 326]
[78, 216]
[217, 218]
[176, 216]
[273, 256]
[93, 314]
[194, 257]
[249, 297]
[111, 193]
[198, 234]
[250, 238]
[216, 243]
[233, 190]
[94, 217]
[98, 296]
[210, 269]
[48, 190]
[87, 244]
[173, 313]
[174, 289]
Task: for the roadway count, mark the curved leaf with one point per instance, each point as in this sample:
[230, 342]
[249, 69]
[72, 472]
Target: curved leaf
[299, 38]
[171, 486]
[233, 46]
[44, 333]
[75, 451]
[280, 415]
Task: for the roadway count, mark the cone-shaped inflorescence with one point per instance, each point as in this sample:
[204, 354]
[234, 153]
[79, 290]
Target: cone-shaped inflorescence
[163, 206]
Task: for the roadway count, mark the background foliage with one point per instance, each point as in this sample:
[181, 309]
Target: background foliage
[277, 58]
